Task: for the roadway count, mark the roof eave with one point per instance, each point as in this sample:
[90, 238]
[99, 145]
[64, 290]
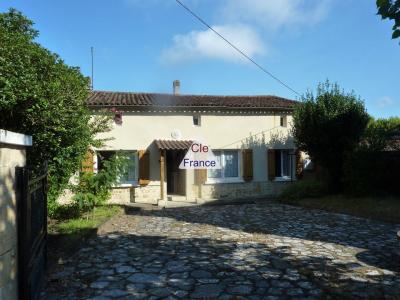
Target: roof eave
[159, 107]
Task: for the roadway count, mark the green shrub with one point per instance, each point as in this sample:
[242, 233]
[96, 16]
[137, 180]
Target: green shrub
[372, 173]
[304, 189]
[65, 212]
[94, 189]
[327, 126]
[372, 167]
[42, 96]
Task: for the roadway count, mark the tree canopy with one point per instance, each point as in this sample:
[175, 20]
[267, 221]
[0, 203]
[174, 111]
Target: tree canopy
[42, 96]
[390, 9]
[329, 125]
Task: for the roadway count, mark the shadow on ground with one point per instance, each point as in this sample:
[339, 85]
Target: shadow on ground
[377, 240]
[138, 267]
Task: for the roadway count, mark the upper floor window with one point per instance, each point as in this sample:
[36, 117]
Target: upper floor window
[197, 120]
[283, 121]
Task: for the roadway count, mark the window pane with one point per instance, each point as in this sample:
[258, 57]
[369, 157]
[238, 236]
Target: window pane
[231, 164]
[130, 169]
[215, 173]
[285, 163]
[103, 156]
[278, 163]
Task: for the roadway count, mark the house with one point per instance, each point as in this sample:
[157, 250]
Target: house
[249, 135]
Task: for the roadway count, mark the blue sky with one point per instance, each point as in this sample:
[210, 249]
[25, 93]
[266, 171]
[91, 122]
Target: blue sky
[143, 45]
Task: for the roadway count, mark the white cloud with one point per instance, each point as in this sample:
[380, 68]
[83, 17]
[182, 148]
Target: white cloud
[384, 102]
[206, 44]
[276, 13]
[238, 20]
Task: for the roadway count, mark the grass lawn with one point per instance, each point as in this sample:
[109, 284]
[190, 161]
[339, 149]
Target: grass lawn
[66, 237]
[87, 221]
[382, 209]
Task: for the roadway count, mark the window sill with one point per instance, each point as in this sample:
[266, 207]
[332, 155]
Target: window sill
[284, 179]
[224, 180]
[126, 184]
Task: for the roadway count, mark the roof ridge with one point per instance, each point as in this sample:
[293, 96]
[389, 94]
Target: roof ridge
[190, 95]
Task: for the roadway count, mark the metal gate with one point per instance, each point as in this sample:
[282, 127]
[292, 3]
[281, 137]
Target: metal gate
[32, 231]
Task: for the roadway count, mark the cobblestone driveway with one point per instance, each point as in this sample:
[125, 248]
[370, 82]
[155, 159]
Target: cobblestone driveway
[263, 251]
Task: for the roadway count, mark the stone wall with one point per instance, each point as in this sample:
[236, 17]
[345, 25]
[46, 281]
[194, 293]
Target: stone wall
[210, 192]
[10, 157]
[150, 194]
[146, 194]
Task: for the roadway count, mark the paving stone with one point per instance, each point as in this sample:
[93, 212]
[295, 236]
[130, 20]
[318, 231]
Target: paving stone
[125, 269]
[180, 293]
[249, 251]
[207, 291]
[114, 293]
[240, 290]
[99, 284]
[294, 292]
[201, 274]
[184, 284]
[144, 278]
[160, 292]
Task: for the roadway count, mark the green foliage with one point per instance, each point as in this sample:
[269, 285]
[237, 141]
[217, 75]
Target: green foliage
[64, 212]
[371, 168]
[372, 173]
[380, 135]
[303, 189]
[15, 22]
[94, 189]
[328, 126]
[83, 224]
[390, 9]
[42, 96]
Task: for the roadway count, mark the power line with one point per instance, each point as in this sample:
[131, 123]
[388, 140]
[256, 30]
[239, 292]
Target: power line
[236, 48]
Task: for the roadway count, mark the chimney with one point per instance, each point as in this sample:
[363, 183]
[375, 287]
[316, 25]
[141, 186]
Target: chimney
[177, 87]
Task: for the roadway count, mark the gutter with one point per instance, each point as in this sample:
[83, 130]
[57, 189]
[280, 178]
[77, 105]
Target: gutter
[146, 107]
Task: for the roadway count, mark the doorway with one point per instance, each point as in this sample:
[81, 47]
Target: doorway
[176, 178]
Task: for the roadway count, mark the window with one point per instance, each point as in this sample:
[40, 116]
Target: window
[197, 120]
[130, 176]
[283, 121]
[283, 163]
[229, 161]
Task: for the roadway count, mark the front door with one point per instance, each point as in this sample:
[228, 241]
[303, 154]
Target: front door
[176, 178]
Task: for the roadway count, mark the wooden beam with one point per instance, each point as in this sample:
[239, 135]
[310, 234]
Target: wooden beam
[162, 173]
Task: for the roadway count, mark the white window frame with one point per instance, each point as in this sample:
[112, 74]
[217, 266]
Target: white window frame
[124, 183]
[198, 116]
[290, 177]
[224, 179]
[283, 121]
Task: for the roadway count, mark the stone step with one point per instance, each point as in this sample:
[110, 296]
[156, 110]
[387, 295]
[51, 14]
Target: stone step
[170, 204]
[178, 198]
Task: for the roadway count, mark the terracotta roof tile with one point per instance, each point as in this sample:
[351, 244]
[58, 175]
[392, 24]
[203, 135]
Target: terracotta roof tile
[107, 99]
[173, 144]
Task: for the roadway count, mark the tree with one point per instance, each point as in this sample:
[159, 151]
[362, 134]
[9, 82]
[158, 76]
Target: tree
[370, 168]
[381, 134]
[42, 96]
[390, 9]
[328, 126]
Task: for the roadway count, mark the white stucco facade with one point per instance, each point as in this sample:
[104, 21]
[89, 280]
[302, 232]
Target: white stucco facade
[221, 130]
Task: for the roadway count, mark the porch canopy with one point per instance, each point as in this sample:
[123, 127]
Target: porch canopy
[173, 144]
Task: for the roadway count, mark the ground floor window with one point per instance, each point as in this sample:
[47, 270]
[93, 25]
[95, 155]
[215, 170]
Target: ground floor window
[131, 174]
[229, 161]
[284, 163]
